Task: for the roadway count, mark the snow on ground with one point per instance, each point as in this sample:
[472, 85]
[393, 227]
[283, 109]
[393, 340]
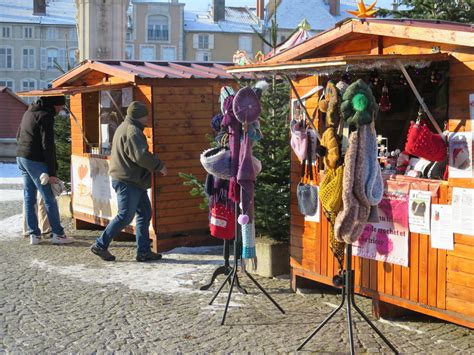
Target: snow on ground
[11, 195]
[181, 270]
[11, 227]
[10, 174]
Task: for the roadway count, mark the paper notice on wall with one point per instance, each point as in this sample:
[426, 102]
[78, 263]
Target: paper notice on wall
[463, 211]
[419, 211]
[441, 227]
[460, 155]
[127, 96]
[316, 217]
[104, 100]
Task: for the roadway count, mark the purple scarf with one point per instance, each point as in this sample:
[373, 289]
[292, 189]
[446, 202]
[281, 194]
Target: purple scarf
[234, 125]
[246, 176]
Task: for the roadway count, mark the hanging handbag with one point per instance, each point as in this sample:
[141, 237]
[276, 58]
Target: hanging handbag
[306, 192]
[423, 143]
[299, 139]
[222, 221]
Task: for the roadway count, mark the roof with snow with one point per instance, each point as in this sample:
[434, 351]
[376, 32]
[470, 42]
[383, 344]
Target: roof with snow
[237, 20]
[291, 12]
[58, 12]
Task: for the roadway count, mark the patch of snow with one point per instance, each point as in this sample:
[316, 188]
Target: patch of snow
[11, 195]
[11, 227]
[177, 272]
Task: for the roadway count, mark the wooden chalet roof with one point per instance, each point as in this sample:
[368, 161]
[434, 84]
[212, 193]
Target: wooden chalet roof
[419, 30]
[131, 72]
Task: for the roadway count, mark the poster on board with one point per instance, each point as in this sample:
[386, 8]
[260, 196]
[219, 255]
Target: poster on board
[419, 211]
[387, 240]
[463, 207]
[461, 155]
[442, 227]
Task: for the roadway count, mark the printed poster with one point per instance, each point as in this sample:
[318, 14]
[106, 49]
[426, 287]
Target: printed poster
[387, 240]
[441, 227]
[127, 96]
[316, 217]
[460, 155]
[104, 100]
[92, 189]
[463, 207]
[419, 213]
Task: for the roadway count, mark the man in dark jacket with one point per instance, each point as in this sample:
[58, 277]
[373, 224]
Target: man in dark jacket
[131, 167]
[36, 155]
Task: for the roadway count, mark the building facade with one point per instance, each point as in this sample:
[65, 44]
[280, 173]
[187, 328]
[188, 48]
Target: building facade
[32, 42]
[155, 30]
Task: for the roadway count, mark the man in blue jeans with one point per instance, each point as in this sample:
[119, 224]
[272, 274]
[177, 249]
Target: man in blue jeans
[131, 167]
[36, 154]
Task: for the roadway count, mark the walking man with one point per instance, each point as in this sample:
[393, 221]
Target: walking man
[36, 154]
[131, 166]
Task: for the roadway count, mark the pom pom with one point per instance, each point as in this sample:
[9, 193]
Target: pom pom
[243, 219]
[360, 102]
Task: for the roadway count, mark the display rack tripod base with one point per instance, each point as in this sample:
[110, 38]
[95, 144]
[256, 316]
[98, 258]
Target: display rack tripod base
[349, 300]
[225, 269]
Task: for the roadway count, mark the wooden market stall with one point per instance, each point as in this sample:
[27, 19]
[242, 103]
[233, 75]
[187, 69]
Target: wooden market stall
[182, 97]
[436, 282]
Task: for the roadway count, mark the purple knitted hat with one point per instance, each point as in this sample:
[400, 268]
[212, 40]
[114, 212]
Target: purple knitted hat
[246, 105]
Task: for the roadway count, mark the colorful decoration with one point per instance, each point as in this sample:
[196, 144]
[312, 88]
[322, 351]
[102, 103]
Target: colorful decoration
[385, 105]
[241, 58]
[259, 57]
[364, 12]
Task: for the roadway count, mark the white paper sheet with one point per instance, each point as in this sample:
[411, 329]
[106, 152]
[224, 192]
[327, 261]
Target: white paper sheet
[316, 217]
[419, 211]
[463, 211]
[127, 96]
[441, 227]
[104, 100]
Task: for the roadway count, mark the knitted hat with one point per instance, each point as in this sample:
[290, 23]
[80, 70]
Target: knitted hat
[330, 142]
[330, 104]
[246, 105]
[359, 105]
[53, 100]
[225, 92]
[136, 110]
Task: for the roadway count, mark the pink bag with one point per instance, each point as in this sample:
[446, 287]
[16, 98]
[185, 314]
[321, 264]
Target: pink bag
[299, 139]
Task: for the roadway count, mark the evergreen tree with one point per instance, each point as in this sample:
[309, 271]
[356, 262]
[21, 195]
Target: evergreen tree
[272, 189]
[447, 10]
[62, 128]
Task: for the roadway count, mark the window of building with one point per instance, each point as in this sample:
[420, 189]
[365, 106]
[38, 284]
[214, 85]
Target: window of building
[28, 58]
[6, 58]
[6, 32]
[28, 32]
[28, 84]
[52, 56]
[245, 44]
[168, 53]
[203, 56]
[73, 34]
[128, 36]
[52, 33]
[203, 41]
[8, 83]
[129, 51]
[158, 28]
[147, 53]
[72, 57]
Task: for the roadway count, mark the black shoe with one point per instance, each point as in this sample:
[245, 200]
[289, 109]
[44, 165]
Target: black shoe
[103, 253]
[148, 256]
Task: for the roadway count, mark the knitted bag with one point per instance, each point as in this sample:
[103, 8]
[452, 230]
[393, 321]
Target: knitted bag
[306, 192]
[330, 190]
[222, 221]
[299, 139]
[423, 143]
[216, 161]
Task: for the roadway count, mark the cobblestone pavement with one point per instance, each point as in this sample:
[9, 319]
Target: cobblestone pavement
[64, 299]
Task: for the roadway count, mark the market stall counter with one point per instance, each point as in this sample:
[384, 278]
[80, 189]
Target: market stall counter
[418, 253]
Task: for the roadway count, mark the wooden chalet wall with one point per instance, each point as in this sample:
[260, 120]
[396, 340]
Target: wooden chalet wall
[437, 282]
[183, 109]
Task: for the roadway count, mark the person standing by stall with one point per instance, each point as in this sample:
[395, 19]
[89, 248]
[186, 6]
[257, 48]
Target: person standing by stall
[36, 155]
[131, 168]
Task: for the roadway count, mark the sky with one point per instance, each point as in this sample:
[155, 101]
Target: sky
[203, 4]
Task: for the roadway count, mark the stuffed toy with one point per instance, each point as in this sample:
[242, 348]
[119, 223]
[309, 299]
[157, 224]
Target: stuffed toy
[358, 104]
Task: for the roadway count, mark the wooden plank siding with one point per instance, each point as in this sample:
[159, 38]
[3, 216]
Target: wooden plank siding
[437, 282]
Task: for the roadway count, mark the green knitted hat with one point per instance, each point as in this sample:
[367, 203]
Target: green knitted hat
[358, 104]
[137, 110]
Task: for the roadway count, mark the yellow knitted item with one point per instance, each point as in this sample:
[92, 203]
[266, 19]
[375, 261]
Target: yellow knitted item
[330, 190]
[337, 247]
[330, 142]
